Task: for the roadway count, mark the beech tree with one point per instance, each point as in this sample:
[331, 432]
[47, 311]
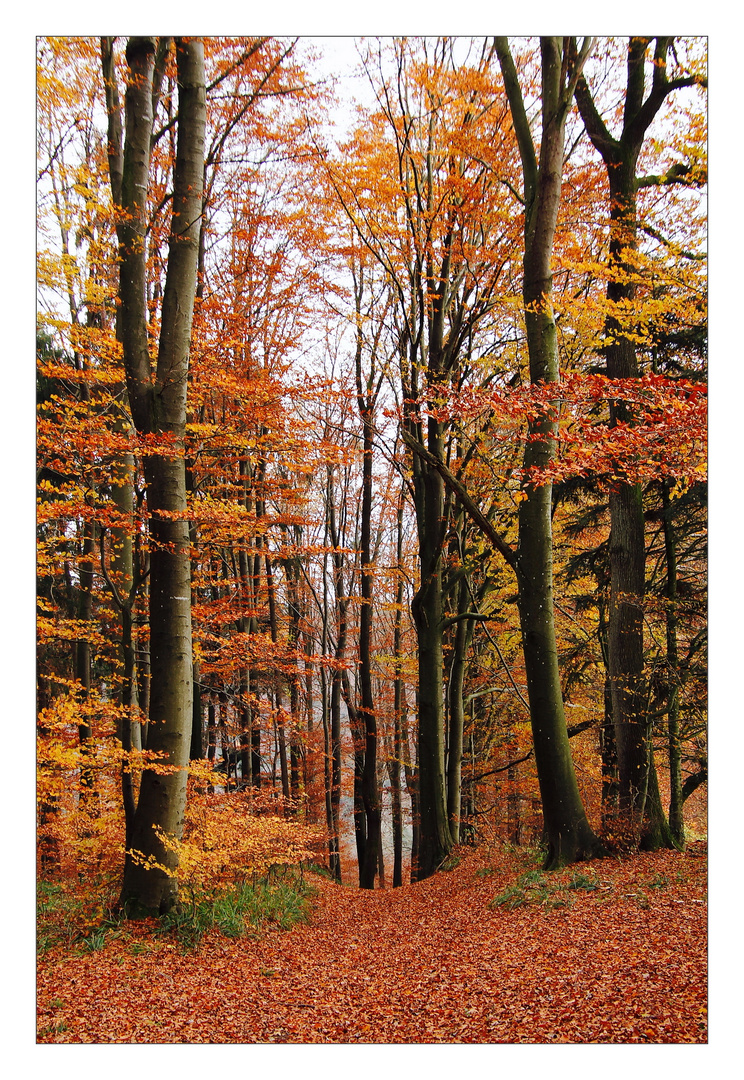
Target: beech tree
[157, 399]
[567, 832]
[620, 155]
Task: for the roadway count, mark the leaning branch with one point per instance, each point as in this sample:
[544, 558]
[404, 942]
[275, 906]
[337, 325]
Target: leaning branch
[461, 494]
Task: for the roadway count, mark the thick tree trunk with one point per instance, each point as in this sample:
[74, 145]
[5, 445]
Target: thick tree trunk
[627, 527]
[567, 832]
[625, 647]
[627, 539]
[159, 407]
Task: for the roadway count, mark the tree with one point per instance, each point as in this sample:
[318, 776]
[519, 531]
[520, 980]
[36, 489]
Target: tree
[157, 400]
[627, 532]
[366, 410]
[567, 833]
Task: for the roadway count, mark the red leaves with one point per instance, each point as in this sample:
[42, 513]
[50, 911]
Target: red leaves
[430, 962]
[667, 437]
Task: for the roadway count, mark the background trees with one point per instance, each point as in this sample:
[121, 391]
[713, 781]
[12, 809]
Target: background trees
[386, 443]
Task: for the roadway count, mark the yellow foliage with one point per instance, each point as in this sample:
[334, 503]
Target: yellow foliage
[234, 836]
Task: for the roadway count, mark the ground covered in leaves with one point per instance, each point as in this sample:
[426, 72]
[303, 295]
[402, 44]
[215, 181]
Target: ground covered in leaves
[490, 951]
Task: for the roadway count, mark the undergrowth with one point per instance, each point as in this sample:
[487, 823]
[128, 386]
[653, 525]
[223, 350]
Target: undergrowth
[71, 918]
[240, 910]
[545, 890]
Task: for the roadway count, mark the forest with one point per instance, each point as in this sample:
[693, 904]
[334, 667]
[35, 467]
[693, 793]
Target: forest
[371, 432]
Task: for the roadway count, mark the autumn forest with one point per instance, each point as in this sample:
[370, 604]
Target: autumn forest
[372, 531]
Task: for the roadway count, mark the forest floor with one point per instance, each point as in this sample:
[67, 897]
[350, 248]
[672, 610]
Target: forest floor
[491, 951]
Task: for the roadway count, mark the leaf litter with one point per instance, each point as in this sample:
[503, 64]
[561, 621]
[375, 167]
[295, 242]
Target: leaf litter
[614, 951]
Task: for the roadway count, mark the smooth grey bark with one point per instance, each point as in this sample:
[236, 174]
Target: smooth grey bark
[158, 406]
[567, 833]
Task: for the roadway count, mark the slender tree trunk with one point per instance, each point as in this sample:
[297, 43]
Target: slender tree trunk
[83, 656]
[291, 573]
[676, 816]
[456, 728]
[278, 698]
[129, 706]
[656, 833]
[412, 785]
[369, 789]
[396, 763]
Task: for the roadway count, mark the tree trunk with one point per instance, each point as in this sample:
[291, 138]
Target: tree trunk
[676, 816]
[399, 702]
[159, 408]
[83, 658]
[435, 839]
[370, 795]
[567, 833]
[627, 541]
[278, 699]
[456, 727]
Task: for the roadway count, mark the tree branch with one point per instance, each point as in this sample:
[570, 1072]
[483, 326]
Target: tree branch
[461, 494]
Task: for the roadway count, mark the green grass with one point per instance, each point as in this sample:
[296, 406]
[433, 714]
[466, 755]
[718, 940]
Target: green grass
[580, 880]
[657, 881]
[58, 912]
[66, 920]
[531, 887]
[543, 889]
[241, 910]
[451, 862]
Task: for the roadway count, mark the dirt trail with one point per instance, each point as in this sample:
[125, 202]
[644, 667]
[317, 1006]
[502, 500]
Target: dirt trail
[431, 962]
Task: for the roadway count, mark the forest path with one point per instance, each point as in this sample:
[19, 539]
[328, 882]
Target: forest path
[430, 962]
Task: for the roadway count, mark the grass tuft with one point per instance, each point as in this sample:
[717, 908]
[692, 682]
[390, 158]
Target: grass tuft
[241, 910]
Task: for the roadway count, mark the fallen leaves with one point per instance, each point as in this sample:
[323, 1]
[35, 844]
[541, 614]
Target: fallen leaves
[431, 962]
